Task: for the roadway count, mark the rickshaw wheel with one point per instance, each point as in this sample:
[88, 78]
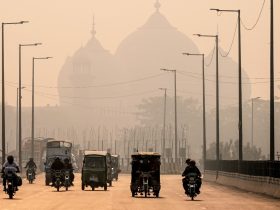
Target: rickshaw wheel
[157, 194]
[105, 187]
[92, 188]
[133, 194]
[110, 183]
[83, 187]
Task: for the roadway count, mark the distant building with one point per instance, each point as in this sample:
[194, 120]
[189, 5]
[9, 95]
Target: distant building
[156, 44]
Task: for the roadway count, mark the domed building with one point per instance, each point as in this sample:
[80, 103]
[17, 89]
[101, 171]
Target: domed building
[82, 73]
[136, 66]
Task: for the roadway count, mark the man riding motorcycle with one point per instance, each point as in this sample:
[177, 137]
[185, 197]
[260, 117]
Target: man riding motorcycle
[68, 166]
[10, 165]
[191, 168]
[31, 165]
[57, 165]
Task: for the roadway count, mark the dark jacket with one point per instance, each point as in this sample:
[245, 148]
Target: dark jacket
[57, 165]
[30, 164]
[191, 169]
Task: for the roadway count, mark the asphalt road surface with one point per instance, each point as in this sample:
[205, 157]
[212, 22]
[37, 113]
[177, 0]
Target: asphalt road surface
[37, 196]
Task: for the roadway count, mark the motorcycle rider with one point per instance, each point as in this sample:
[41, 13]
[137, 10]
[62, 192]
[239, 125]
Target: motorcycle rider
[31, 165]
[191, 168]
[10, 165]
[57, 165]
[68, 166]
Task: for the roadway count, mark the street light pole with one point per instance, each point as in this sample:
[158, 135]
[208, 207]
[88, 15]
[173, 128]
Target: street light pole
[17, 123]
[217, 94]
[240, 126]
[175, 102]
[252, 129]
[3, 92]
[32, 121]
[19, 104]
[271, 83]
[203, 104]
[164, 123]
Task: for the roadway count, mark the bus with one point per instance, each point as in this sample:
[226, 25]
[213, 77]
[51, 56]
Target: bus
[56, 148]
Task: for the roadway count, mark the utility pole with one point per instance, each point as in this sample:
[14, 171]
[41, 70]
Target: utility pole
[32, 120]
[240, 126]
[252, 129]
[164, 122]
[203, 104]
[3, 91]
[271, 83]
[217, 94]
[19, 104]
[175, 102]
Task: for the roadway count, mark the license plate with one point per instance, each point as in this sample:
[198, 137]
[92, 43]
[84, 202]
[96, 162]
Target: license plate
[93, 179]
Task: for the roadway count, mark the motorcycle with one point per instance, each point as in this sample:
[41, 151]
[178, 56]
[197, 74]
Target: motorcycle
[58, 182]
[11, 187]
[192, 188]
[67, 180]
[30, 175]
[146, 187]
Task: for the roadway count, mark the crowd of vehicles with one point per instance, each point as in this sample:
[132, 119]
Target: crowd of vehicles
[99, 169]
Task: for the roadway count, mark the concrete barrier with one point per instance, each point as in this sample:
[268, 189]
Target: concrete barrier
[258, 184]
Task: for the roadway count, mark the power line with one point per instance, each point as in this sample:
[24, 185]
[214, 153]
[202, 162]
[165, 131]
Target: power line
[257, 21]
[227, 82]
[103, 85]
[104, 97]
[211, 59]
[84, 106]
[234, 35]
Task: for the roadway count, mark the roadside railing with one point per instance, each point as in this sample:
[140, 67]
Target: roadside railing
[253, 168]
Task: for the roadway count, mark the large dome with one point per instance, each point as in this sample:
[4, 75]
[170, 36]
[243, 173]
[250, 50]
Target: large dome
[155, 45]
[89, 66]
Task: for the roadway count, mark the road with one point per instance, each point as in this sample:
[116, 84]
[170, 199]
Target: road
[39, 197]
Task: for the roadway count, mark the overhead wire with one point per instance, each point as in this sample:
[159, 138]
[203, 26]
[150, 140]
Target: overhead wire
[231, 45]
[257, 21]
[104, 97]
[97, 86]
[226, 82]
[211, 58]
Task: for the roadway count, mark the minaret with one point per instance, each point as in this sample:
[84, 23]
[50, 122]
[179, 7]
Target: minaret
[93, 32]
[157, 5]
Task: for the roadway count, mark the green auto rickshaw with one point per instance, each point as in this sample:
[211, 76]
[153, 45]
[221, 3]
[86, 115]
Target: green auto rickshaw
[115, 167]
[96, 170]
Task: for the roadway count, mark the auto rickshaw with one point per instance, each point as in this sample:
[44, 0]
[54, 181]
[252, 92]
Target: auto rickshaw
[96, 170]
[115, 167]
[145, 174]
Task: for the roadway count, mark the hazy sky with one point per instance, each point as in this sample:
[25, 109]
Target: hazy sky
[64, 26]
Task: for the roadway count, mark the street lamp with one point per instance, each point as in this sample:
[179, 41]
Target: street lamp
[203, 102]
[3, 91]
[32, 121]
[19, 104]
[252, 129]
[240, 127]
[17, 141]
[175, 114]
[217, 93]
[164, 122]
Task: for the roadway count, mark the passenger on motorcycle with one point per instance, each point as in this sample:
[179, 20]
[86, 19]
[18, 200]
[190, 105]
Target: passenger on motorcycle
[191, 168]
[31, 165]
[57, 165]
[68, 166]
[10, 165]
